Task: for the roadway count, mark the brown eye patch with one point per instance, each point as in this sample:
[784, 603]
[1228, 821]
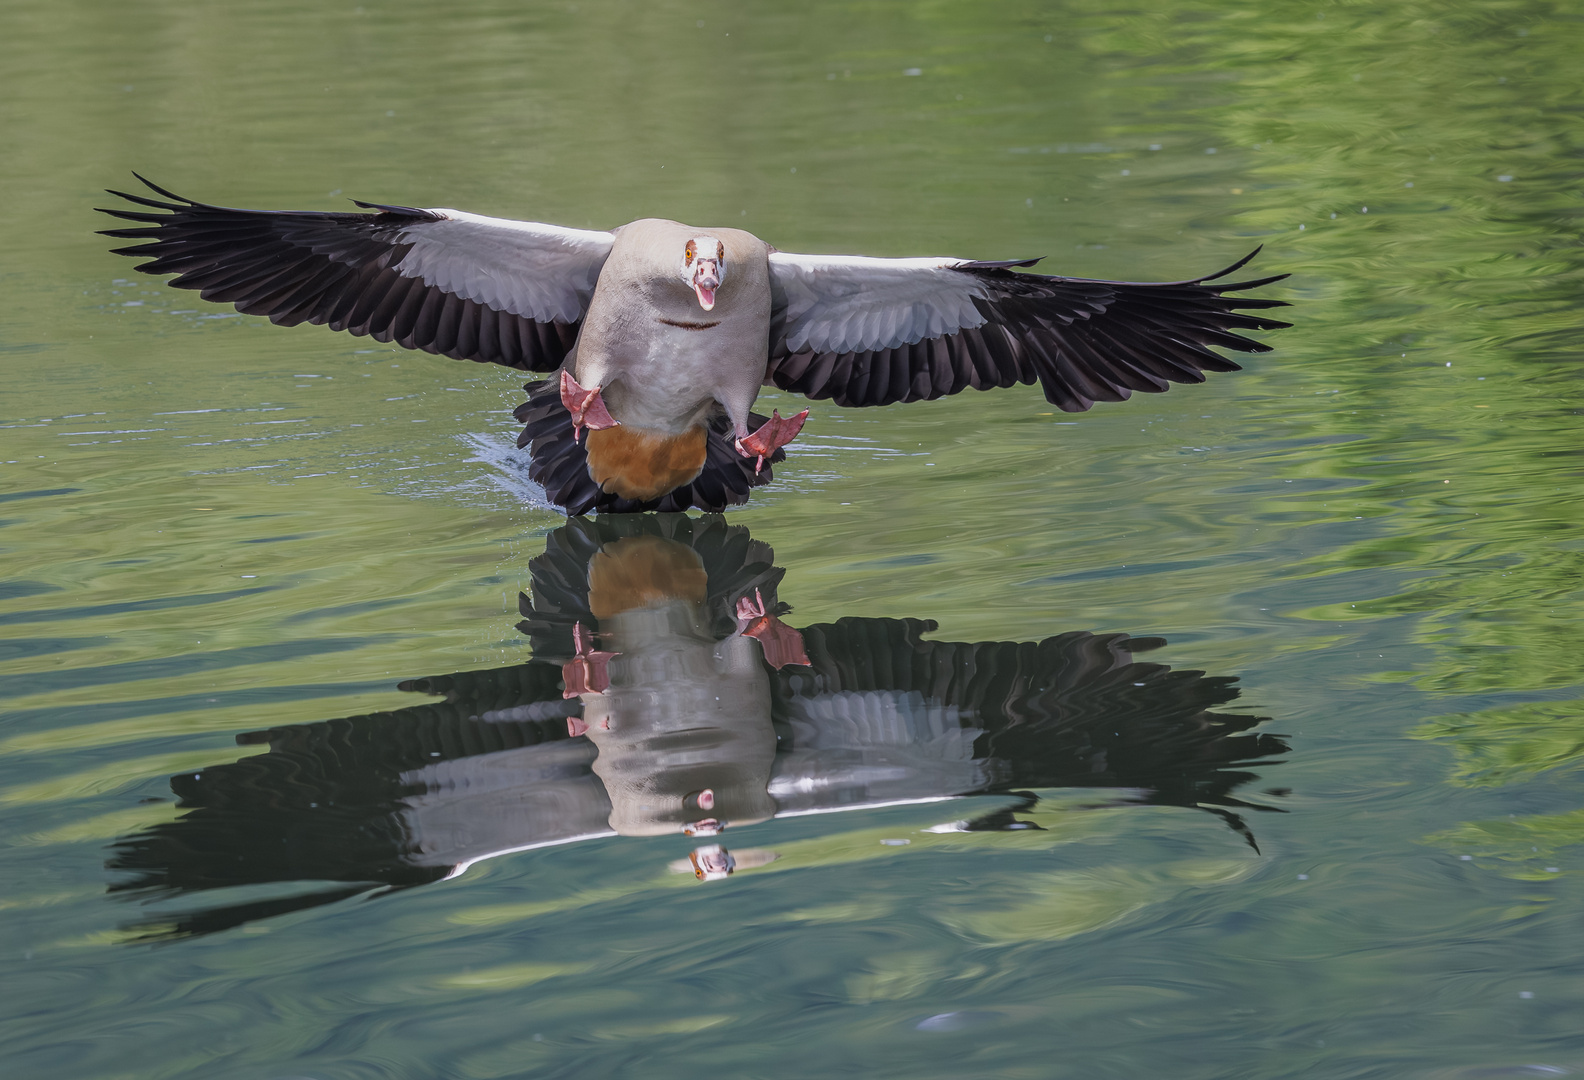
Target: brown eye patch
[691, 250]
[720, 251]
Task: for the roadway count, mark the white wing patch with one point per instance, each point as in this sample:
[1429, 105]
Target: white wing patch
[851, 303]
[541, 272]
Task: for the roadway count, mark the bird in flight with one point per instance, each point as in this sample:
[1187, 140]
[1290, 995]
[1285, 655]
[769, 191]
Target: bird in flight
[660, 335]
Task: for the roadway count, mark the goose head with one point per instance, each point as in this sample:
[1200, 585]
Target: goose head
[704, 268]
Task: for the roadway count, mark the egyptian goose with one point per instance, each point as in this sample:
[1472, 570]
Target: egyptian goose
[663, 333]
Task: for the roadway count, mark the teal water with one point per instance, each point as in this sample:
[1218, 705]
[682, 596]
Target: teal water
[226, 544]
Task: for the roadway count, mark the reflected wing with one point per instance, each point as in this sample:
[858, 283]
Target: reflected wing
[337, 807]
[886, 714]
[863, 331]
[444, 281]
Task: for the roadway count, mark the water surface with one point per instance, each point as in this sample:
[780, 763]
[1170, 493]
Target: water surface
[1335, 833]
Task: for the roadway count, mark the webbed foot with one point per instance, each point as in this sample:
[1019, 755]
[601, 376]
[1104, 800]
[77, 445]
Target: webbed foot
[774, 434]
[586, 406]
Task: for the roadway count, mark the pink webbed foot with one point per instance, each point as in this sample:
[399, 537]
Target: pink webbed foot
[775, 434]
[586, 406]
[782, 645]
[586, 673]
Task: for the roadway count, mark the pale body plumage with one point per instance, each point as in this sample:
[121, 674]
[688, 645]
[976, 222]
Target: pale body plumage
[664, 363]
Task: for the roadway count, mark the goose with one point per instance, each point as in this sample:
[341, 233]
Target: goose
[660, 335]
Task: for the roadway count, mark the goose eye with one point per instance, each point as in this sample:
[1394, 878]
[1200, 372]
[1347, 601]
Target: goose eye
[691, 250]
[720, 251]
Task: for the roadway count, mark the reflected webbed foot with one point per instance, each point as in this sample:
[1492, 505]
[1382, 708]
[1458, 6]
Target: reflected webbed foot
[782, 644]
[586, 673]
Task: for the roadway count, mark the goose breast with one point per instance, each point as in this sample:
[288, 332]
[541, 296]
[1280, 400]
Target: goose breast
[662, 359]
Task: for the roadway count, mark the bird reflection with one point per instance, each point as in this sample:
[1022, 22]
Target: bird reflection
[667, 695]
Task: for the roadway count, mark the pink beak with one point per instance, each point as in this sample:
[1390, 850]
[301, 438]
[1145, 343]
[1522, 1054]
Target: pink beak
[706, 279]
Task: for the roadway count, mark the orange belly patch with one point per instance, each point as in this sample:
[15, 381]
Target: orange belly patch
[638, 464]
[637, 571]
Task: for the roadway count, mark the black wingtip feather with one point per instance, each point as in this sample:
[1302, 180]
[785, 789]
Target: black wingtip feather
[1255, 284]
[1244, 261]
[143, 200]
[1253, 303]
[404, 211]
[999, 264]
[152, 186]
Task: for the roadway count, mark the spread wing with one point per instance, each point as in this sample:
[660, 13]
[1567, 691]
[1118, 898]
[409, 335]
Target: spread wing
[444, 281]
[864, 331]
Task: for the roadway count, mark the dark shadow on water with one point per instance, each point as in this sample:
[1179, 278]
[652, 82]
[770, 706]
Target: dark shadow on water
[668, 695]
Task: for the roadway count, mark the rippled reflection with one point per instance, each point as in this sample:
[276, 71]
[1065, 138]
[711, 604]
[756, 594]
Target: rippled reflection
[667, 695]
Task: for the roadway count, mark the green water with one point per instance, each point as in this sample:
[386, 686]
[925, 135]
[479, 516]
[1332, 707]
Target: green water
[213, 527]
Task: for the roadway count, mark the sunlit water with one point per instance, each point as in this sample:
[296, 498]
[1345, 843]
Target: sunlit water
[235, 848]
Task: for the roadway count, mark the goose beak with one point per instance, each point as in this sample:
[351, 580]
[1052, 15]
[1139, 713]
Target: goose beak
[706, 279]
